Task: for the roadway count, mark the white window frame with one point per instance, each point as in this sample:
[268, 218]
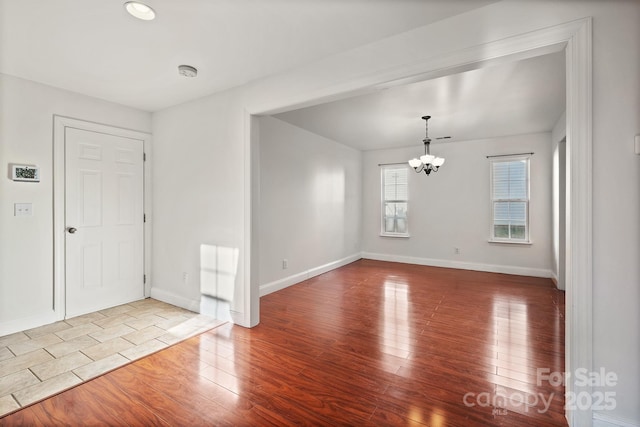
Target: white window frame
[383, 231]
[527, 237]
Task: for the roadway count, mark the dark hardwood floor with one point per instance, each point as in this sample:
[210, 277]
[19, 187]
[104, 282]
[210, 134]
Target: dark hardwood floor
[372, 343]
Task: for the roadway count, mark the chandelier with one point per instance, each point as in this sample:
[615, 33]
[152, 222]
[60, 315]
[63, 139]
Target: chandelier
[426, 163]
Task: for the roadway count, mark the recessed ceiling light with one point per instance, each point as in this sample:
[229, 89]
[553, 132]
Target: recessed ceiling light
[140, 10]
[187, 70]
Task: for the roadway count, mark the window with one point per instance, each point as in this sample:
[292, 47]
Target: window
[395, 195]
[510, 199]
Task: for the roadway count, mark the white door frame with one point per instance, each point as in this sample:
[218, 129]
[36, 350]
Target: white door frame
[575, 38]
[60, 123]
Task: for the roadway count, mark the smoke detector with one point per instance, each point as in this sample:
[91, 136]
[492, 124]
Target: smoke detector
[187, 70]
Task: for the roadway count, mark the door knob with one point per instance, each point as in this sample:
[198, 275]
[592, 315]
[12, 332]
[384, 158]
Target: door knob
[72, 230]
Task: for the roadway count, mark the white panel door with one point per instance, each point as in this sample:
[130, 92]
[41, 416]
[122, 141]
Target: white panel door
[104, 240]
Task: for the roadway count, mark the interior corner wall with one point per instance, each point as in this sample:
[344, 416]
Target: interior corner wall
[310, 204]
[26, 243]
[451, 208]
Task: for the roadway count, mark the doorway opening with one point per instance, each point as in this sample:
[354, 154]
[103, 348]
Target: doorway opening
[575, 39]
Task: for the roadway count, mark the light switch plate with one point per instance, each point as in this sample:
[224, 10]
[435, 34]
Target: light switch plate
[23, 209]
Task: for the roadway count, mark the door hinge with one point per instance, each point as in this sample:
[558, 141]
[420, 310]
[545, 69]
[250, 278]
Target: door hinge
[144, 157]
[144, 217]
[144, 278]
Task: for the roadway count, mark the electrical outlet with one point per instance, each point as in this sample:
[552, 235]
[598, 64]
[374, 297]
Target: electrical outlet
[185, 277]
[456, 251]
[22, 209]
[285, 264]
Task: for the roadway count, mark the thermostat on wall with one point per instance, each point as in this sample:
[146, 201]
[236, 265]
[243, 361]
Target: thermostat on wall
[25, 173]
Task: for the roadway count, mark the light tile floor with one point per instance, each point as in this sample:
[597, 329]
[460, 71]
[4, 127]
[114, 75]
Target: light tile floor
[41, 362]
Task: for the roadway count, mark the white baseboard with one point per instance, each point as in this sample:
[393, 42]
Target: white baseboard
[554, 278]
[26, 323]
[491, 268]
[215, 307]
[277, 285]
[177, 300]
[601, 420]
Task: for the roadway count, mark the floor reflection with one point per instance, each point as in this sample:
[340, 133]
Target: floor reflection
[218, 361]
[396, 331]
[511, 334]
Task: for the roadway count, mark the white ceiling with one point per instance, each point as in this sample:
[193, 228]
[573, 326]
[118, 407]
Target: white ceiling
[526, 96]
[94, 47]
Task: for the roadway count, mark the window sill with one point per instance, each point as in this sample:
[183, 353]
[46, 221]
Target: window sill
[403, 236]
[512, 242]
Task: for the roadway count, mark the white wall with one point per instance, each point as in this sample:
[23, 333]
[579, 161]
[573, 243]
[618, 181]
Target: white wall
[215, 130]
[310, 203]
[198, 195]
[616, 203]
[451, 208]
[26, 243]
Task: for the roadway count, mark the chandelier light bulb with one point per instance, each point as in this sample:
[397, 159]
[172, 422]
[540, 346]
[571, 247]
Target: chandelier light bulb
[415, 163]
[427, 159]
